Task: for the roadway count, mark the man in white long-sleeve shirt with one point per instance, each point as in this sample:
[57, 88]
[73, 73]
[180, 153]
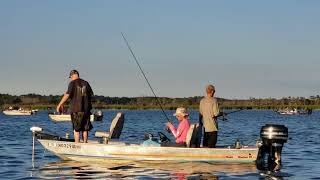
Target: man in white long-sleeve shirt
[208, 111]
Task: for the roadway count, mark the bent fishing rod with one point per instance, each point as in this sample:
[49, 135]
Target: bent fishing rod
[145, 77]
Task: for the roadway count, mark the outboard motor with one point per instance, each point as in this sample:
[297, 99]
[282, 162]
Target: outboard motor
[269, 156]
[98, 115]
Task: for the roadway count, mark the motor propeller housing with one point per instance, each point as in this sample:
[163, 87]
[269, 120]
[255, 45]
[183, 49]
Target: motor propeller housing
[273, 138]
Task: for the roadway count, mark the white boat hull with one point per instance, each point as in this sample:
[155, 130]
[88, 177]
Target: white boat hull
[94, 151]
[17, 113]
[67, 117]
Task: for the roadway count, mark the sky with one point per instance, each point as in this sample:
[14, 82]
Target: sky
[247, 49]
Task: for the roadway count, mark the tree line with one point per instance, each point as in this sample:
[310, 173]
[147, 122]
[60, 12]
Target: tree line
[106, 102]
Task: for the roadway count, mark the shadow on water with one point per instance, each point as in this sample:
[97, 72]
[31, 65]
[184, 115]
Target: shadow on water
[116, 169]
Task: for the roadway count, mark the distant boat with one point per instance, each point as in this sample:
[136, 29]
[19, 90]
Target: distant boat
[17, 112]
[97, 116]
[294, 112]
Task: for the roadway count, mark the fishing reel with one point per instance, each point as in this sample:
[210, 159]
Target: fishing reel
[168, 130]
[224, 116]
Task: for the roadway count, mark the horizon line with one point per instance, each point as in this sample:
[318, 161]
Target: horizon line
[310, 97]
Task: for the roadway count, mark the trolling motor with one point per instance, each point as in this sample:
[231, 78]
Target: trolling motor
[273, 138]
[34, 131]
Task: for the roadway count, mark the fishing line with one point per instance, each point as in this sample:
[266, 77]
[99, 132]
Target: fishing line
[145, 77]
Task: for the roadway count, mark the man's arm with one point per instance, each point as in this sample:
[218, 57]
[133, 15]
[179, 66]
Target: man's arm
[63, 100]
[215, 107]
[66, 95]
[90, 90]
[172, 129]
[200, 114]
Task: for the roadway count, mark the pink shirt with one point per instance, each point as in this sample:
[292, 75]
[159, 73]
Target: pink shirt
[181, 133]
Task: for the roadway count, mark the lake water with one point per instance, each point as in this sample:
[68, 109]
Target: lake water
[300, 157]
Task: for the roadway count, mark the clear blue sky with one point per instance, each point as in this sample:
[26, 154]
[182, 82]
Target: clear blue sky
[245, 48]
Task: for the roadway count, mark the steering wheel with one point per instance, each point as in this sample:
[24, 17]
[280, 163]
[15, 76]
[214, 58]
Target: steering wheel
[163, 137]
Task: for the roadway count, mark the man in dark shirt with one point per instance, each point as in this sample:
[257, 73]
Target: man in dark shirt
[80, 93]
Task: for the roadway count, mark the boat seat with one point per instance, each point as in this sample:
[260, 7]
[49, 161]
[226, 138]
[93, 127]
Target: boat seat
[115, 129]
[102, 134]
[194, 136]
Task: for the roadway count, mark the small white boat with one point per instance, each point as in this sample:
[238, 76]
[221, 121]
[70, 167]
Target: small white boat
[17, 112]
[67, 117]
[294, 112]
[266, 154]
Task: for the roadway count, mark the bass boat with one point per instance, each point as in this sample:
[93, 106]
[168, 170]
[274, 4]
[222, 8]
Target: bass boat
[266, 153]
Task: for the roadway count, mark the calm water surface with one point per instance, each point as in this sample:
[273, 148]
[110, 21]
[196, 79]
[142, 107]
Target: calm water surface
[300, 155]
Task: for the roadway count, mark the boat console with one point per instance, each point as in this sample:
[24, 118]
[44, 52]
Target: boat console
[273, 138]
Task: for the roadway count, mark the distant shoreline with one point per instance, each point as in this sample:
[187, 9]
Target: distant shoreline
[36, 101]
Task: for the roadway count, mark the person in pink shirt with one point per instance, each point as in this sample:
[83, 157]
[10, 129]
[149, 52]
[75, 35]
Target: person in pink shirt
[179, 133]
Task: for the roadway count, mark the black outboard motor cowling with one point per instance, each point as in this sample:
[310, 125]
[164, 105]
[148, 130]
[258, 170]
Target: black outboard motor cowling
[98, 115]
[273, 137]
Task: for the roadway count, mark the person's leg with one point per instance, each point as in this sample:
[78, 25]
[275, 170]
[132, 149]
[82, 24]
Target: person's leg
[212, 139]
[85, 136]
[205, 139]
[76, 136]
[215, 134]
[76, 124]
[86, 126]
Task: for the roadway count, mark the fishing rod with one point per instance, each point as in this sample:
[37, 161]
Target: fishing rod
[145, 77]
[234, 111]
[225, 114]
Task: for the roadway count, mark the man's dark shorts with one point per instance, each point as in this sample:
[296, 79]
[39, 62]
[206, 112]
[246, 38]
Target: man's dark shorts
[81, 121]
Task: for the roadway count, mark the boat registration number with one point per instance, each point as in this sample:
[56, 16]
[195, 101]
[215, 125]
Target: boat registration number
[64, 145]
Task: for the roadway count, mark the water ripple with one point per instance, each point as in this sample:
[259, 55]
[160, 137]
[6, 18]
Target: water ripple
[300, 154]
